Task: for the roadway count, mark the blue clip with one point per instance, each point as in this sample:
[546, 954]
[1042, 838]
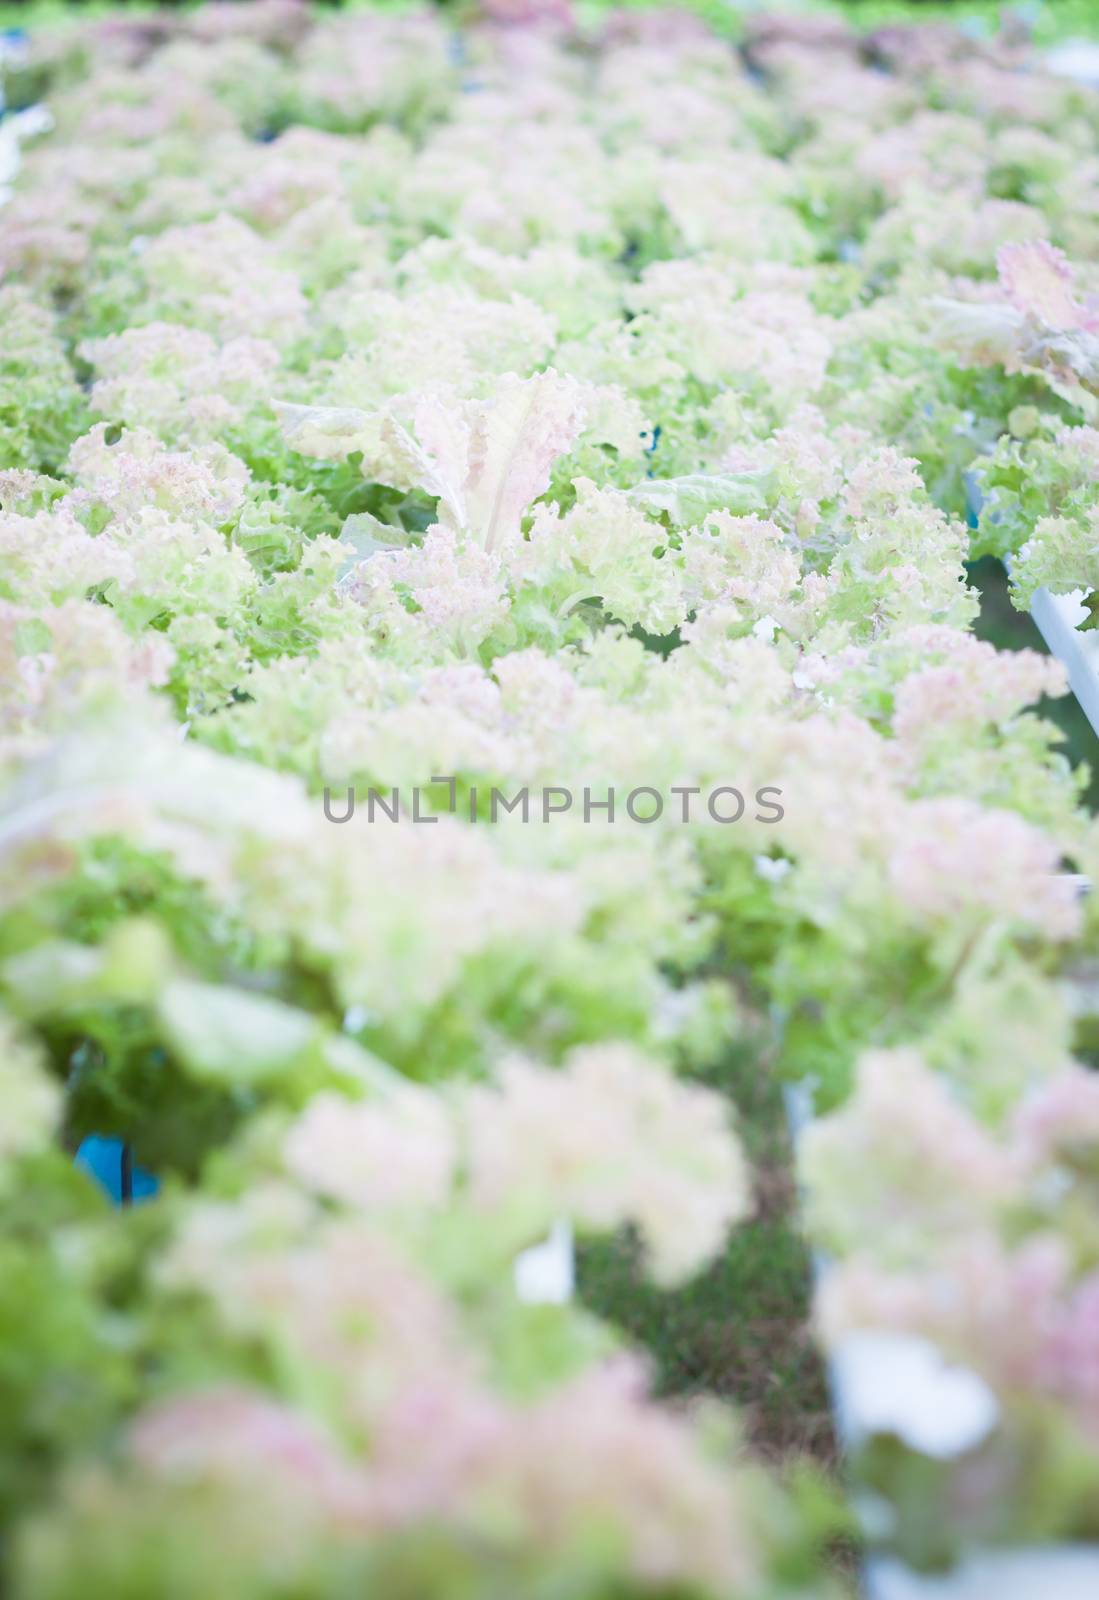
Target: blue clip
[108, 1161]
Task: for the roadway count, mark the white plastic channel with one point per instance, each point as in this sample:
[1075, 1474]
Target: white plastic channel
[1044, 1572]
[1058, 618]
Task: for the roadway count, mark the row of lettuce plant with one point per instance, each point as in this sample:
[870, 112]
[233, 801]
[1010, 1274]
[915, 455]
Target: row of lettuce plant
[530, 411]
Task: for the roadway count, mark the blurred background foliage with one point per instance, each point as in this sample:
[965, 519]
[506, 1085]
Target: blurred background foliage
[1046, 20]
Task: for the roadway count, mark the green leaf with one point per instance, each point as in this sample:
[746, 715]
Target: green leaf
[689, 500]
[231, 1036]
[364, 535]
[61, 975]
[31, 637]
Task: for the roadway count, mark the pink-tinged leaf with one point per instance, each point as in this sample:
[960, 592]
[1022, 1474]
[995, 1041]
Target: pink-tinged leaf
[1037, 279]
[980, 333]
[443, 436]
[514, 442]
[529, 13]
[484, 460]
[331, 433]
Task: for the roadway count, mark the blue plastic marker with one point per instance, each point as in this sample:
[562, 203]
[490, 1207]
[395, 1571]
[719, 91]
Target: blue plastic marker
[110, 1163]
